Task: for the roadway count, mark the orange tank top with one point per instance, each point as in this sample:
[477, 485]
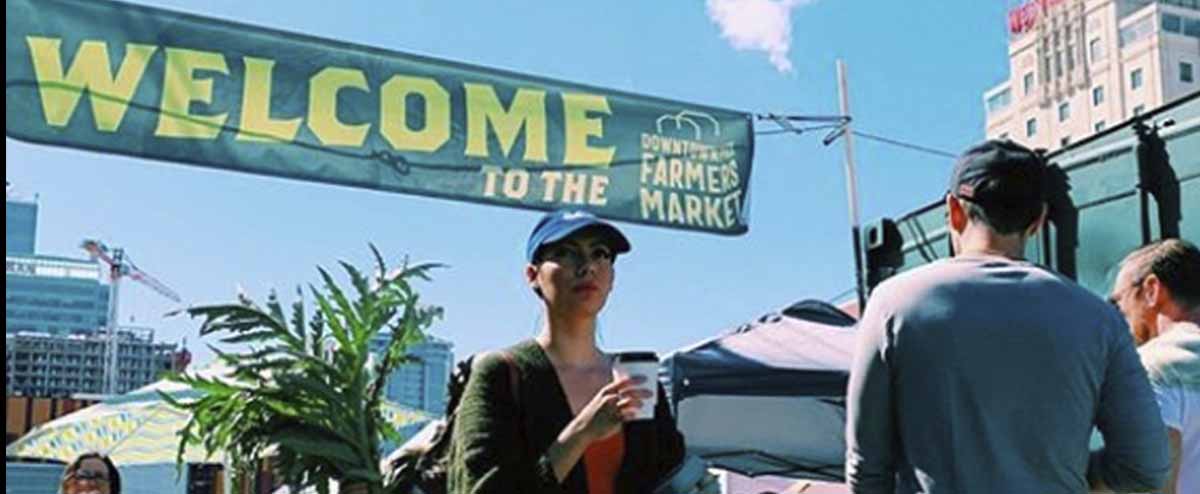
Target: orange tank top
[602, 461]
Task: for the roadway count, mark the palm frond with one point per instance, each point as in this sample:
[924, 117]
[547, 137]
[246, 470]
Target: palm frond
[307, 389]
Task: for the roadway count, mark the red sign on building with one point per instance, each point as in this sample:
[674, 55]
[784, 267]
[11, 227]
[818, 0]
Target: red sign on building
[1025, 17]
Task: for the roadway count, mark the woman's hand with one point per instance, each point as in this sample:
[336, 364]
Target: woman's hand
[600, 419]
[613, 405]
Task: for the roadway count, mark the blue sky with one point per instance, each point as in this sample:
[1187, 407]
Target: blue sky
[917, 70]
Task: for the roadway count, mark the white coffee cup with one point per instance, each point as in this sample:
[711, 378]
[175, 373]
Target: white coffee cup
[643, 364]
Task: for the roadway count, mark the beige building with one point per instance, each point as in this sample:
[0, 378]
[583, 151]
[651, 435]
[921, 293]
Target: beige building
[1079, 66]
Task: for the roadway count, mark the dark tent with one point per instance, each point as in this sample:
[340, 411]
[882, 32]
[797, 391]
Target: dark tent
[769, 397]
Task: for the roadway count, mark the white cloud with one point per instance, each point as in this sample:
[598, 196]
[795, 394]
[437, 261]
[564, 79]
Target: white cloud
[758, 25]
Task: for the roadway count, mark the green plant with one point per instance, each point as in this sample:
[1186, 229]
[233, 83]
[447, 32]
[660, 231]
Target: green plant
[306, 392]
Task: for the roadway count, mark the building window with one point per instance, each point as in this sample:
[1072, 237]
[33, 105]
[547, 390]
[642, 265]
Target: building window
[1191, 27]
[1137, 110]
[1139, 30]
[1135, 79]
[1097, 95]
[998, 101]
[1044, 66]
[1064, 112]
[1031, 127]
[1186, 72]
[1028, 83]
[1172, 23]
[1096, 49]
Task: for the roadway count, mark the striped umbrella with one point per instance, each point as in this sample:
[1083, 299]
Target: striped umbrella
[139, 428]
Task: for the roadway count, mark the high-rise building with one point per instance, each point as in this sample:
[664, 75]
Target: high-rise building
[421, 384]
[20, 226]
[1080, 66]
[53, 295]
[47, 294]
[56, 312]
[44, 365]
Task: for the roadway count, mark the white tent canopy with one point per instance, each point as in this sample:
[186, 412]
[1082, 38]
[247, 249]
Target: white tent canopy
[134, 428]
[140, 428]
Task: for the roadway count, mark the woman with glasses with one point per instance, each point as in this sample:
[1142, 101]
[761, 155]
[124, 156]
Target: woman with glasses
[91, 473]
[546, 416]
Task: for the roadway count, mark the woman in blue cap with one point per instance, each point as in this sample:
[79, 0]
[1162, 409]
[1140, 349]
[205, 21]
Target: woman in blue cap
[564, 425]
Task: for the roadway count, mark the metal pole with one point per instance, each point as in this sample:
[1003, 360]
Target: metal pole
[110, 367]
[852, 187]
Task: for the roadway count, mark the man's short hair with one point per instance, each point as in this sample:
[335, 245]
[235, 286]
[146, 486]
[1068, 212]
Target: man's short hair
[1004, 220]
[1175, 262]
[1001, 184]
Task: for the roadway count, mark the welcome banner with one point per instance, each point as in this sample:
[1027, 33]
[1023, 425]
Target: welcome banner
[139, 81]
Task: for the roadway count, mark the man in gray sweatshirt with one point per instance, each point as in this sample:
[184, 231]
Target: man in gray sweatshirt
[985, 373]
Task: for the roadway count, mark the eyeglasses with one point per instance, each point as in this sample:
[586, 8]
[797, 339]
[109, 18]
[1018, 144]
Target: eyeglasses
[567, 256]
[88, 476]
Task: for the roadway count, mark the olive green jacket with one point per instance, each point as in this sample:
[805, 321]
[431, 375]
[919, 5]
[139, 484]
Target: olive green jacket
[499, 448]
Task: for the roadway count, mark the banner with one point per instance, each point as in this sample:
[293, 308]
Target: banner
[145, 82]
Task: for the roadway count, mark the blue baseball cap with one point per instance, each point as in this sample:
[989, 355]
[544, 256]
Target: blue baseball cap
[561, 224]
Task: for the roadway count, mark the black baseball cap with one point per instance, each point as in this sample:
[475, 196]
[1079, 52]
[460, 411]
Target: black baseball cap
[1000, 173]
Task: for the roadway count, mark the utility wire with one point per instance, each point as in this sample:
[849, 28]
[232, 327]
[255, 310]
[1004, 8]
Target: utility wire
[802, 118]
[838, 124]
[795, 130]
[906, 145]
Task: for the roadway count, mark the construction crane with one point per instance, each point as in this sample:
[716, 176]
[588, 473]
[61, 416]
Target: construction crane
[119, 267]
